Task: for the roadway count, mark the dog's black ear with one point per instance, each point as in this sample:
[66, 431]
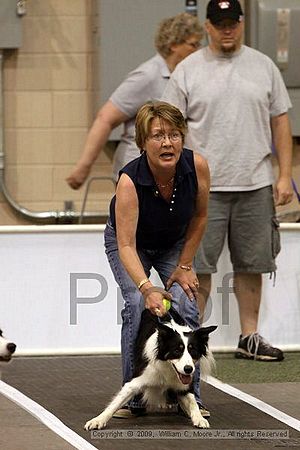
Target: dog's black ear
[208, 330]
[176, 316]
[165, 340]
[165, 333]
[164, 330]
[203, 332]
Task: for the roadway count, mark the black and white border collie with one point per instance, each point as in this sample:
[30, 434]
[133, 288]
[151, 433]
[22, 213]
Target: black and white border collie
[166, 353]
[7, 348]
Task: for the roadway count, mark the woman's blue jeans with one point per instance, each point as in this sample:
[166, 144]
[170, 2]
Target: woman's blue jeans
[164, 262]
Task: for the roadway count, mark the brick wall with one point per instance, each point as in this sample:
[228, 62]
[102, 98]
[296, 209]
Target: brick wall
[48, 109]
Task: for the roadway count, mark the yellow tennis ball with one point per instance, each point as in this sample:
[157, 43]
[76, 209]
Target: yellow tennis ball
[167, 304]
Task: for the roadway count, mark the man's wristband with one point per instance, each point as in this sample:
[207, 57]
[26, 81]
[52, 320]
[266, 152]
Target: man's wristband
[183, 267]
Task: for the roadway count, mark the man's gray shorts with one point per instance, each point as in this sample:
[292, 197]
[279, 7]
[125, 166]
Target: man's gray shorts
[248, 221]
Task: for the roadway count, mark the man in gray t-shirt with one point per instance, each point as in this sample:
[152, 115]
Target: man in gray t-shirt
[236, 104]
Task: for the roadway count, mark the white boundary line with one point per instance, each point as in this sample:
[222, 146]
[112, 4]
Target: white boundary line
[45, 417]
[259, 404]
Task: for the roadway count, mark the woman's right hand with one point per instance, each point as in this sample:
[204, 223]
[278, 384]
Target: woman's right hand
[154, 301]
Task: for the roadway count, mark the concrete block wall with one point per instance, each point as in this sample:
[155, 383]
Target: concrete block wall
[48, 109]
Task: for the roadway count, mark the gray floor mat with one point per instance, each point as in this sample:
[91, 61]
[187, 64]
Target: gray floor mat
[77, 388]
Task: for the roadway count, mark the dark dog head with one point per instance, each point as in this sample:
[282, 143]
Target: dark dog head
[7, 348]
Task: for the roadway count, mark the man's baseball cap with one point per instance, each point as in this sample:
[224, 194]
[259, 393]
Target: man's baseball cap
[218, 10]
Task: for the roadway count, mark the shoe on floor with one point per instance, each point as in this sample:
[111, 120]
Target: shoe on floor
[122, 413]
[256, 347]
[125, 412]
[204, 411]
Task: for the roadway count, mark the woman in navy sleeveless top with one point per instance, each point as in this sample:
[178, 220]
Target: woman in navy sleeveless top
[157, 219]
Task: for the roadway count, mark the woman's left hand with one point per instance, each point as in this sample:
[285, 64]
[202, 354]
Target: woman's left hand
[188, 281]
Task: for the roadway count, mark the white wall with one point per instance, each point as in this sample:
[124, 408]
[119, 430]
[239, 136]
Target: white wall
[36, 263]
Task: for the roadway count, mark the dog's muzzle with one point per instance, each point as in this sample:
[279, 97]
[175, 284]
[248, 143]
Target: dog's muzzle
[10, 349]
[185, 378]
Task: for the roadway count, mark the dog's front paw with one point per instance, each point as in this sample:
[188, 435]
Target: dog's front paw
[200, 422]
[95, 423]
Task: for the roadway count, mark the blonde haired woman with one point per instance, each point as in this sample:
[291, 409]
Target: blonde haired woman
[176, 38]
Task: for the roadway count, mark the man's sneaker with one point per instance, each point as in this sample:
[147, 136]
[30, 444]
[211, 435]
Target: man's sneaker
[256, 347]
[204, 411]
[125, 412]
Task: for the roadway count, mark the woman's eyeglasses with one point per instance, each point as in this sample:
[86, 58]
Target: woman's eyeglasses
[174, 136]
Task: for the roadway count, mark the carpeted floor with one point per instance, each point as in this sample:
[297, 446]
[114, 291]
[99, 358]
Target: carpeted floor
[232, 371]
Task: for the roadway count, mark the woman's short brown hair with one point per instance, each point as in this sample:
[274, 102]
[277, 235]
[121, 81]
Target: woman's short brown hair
[176, 30]
[162, 110]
